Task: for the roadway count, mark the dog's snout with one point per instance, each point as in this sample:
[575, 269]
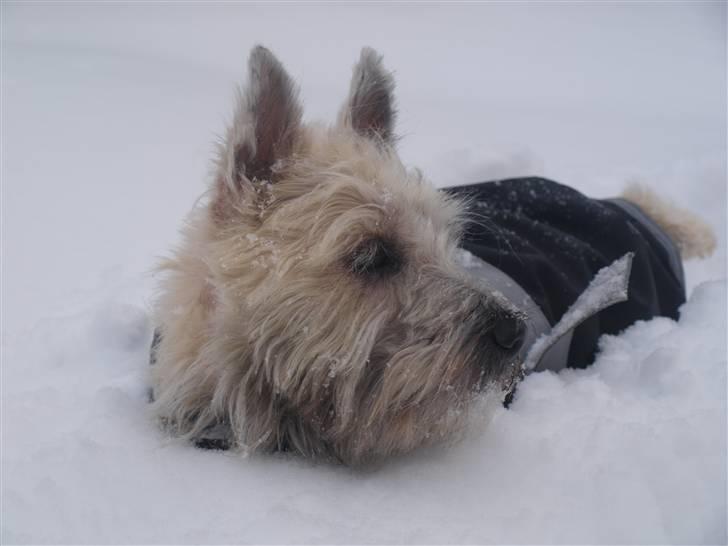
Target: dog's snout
[509, 333]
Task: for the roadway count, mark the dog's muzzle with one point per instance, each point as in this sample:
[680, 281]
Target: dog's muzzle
[509, 333]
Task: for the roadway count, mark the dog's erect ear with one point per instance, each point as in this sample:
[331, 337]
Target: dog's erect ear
[369, 110]
[265, 126]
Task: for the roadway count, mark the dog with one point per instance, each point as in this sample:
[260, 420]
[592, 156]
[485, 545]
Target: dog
[319, 301]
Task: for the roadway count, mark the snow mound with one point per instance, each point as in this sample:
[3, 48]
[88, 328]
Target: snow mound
[632, 449]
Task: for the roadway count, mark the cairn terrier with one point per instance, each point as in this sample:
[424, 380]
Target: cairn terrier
[318, 303]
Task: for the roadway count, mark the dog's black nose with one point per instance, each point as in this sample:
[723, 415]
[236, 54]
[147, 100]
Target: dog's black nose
[509, 333]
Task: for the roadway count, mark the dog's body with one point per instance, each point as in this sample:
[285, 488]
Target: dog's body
[317, 303]
[551, 240]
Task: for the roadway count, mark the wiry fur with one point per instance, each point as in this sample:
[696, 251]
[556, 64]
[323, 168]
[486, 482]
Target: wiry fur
[693, 237]
[271, 326]
[370, 110]
[315, 303]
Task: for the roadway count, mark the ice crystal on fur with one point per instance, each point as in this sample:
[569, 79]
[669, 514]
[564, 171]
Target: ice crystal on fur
[322, 307]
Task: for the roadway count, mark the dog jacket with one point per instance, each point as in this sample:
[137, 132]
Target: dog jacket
[540, 244]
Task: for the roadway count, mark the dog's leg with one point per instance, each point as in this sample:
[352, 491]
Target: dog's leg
[153, 358]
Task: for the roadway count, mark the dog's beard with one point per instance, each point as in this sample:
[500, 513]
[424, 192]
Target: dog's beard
[397, 398]
[360, 386]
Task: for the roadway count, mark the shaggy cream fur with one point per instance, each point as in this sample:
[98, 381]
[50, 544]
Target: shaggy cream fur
[693, 237]
[315, 303]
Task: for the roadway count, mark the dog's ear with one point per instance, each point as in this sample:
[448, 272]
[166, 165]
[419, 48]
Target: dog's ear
[265, 126]
[370, 110]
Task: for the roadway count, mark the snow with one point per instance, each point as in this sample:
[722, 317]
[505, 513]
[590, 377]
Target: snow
[609, 286]
[109, 112]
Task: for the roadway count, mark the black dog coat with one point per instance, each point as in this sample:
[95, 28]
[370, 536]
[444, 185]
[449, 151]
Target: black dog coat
[549, 241]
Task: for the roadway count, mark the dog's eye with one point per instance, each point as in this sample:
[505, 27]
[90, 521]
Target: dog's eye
[375, 257]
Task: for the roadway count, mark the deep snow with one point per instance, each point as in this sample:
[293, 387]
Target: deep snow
[108, 115]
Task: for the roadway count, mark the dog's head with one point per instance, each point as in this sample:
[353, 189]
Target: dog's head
[339, 315]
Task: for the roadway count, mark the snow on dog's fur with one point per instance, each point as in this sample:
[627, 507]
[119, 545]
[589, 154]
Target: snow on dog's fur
[315, 304]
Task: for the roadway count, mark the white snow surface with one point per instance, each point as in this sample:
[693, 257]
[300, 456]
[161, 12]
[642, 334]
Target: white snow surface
[609, 286]
[109, 112]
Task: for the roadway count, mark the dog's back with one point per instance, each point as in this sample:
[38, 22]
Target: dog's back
[551, 240]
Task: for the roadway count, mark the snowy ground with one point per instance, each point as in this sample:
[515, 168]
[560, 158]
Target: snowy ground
[108, 115]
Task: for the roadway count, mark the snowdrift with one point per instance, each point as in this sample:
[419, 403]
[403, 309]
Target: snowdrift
[629, 450]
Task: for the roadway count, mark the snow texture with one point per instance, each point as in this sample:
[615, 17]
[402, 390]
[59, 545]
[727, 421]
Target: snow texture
[609, 286]
[109, 112]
